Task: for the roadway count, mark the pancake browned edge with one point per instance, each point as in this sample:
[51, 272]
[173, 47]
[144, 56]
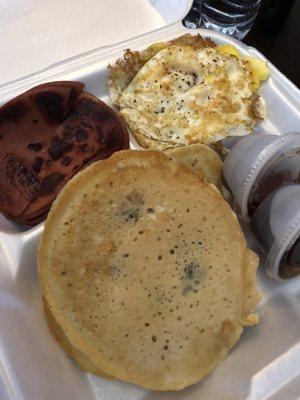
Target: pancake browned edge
[146, 271]
[59, 335]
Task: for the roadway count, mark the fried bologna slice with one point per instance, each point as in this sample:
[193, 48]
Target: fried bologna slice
[46, 135]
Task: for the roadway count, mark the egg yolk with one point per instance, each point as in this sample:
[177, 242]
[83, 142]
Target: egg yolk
[228, 49]
[259, 68]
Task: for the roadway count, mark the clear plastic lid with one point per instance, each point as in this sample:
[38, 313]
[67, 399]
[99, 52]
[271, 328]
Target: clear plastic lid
[248, 160]
[276, 224]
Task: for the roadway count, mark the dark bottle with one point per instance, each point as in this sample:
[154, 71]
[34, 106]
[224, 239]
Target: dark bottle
[273, 15]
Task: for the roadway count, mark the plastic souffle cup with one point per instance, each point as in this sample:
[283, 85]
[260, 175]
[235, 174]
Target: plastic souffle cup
[276, 225]
[247, 161]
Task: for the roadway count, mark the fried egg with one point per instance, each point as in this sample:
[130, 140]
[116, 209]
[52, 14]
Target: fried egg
[186, 95]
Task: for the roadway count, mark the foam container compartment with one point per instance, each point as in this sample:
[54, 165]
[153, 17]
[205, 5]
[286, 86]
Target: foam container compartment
[265, 362]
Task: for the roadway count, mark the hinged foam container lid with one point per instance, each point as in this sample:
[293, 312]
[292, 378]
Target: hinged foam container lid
[36, 34]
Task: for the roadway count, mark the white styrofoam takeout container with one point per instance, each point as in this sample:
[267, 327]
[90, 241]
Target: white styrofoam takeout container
[265, 362]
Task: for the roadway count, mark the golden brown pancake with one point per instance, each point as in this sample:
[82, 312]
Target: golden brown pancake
[202, 159]
[146, 270]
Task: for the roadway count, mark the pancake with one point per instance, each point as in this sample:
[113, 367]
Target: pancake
[202, 159]
[146, 270]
